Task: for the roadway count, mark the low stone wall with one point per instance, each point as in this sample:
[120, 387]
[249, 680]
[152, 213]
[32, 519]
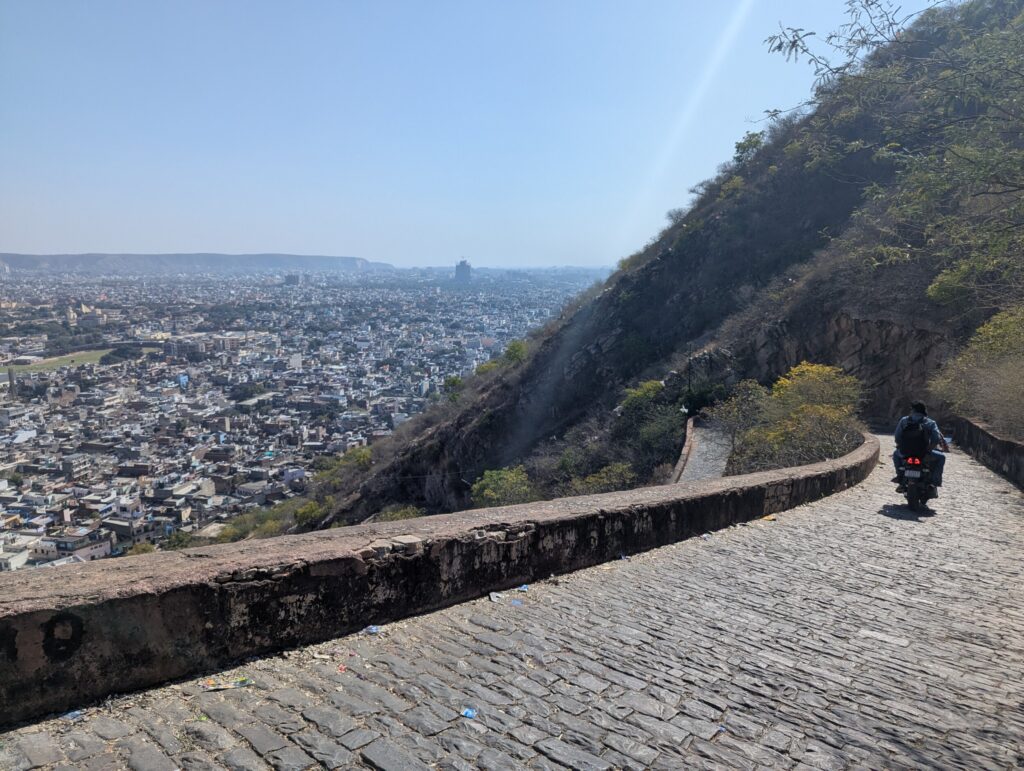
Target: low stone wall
[1004, 456]
[684, 454]
[73, 635]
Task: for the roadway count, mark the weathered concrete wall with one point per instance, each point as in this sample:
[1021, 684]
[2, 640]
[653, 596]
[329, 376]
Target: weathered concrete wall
[1004, 456]
[76, 634]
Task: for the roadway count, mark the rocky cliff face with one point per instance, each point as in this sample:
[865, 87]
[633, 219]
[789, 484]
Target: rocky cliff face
[892, 360]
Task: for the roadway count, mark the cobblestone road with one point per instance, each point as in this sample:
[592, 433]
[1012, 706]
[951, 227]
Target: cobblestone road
[709, 456]
[846, 633]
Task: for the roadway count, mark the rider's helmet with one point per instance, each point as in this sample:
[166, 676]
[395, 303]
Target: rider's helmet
[919, 407]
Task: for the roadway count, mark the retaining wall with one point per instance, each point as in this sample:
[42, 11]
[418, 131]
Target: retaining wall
[75, 634]
[1004, 456]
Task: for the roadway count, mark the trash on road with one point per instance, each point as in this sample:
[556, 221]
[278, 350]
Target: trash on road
[74, 715]
[523, 588]
[226, 683]
[496, 596]
[469, 712]
[342, 667]
[372, 629]
[768, 517]
[705, 536]
[516, 602]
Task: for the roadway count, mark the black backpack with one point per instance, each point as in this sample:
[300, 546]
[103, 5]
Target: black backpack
[915, 440]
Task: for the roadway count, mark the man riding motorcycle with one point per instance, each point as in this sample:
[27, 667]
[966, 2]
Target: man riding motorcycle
[919, 435]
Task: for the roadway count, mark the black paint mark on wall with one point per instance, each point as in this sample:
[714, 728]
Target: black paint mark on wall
[8, 644]
[62, 636]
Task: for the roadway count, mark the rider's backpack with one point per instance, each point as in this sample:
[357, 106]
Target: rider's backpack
[914, 440]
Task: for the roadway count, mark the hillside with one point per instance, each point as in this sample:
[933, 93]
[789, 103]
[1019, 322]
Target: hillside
[155, 264]
[874, 230]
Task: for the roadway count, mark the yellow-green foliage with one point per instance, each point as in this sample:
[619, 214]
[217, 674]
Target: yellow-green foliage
[809, 416]
[358, 457]
[986, 380]
[743, 410]
[515, 353]
[141, 548]
[732, 186]
[266, 522]
[503, 487]
[648, 428]
[614, 476]
[816, 384]
[640, 399]
[397, 513]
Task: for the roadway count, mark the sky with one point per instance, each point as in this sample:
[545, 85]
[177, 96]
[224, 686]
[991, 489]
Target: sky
[514, 134]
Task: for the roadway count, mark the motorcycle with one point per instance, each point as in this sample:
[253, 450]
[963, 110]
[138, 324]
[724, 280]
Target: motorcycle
[917, 482]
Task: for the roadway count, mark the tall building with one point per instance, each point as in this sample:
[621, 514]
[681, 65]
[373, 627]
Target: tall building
[463, 272]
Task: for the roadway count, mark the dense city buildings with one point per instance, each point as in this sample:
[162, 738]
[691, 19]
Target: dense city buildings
[133, 410]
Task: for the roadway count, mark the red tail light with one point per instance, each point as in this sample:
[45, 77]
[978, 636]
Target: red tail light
[913, 461]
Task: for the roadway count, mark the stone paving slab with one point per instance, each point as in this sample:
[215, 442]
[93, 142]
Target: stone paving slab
[708, 456]
[844, 633]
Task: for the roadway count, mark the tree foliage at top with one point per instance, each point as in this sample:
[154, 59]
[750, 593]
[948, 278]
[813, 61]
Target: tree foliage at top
[947, 93]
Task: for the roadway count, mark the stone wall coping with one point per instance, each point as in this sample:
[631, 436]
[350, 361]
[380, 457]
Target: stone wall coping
[1000, 453]
[95, 582]
[72, 635]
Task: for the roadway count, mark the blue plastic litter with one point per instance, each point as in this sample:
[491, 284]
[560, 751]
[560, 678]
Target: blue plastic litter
[373, 629]
[517, 602]
[523, 588]
[469, 712]
[74, 715]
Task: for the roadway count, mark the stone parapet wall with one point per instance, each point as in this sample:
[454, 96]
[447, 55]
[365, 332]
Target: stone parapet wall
[73, 635]
[1004, 456]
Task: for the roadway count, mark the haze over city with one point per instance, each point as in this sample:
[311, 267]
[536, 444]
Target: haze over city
[521, 134]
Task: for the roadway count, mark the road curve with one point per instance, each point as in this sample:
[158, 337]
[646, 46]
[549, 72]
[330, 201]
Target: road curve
[844, 633]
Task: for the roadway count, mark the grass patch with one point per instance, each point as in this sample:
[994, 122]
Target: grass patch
[76, 359]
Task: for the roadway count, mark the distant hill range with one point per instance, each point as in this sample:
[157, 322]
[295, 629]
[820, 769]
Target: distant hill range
[155, 264]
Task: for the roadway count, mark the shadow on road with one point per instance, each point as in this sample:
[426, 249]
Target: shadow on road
[902, 511]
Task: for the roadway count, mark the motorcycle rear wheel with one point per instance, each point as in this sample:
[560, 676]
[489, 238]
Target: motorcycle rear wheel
[914, 499]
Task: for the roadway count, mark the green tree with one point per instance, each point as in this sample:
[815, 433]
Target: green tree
[503, 487]
[309, 514]
[397, 513]
[515, 353]
[179, 539]
[358, 457]
[744, 409]
[614, 476]
[453, 386]
[747, 147]
[945, 93]
[141, 548]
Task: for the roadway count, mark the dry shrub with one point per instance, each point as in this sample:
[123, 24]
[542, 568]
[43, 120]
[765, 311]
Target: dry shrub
[986, 380]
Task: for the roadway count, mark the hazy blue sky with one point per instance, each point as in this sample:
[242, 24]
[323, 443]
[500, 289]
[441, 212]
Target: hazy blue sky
[528, 132]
